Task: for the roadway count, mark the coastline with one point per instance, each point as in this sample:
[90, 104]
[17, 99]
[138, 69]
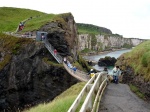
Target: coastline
[102, 52]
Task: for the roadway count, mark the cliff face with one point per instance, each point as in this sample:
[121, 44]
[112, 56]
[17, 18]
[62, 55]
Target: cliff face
[105, 42]
[32, 75]
[28, 79]
[62, 34]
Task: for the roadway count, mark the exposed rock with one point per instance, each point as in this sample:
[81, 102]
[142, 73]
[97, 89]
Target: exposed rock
[62, 34]
[104, 42]
[107, 61]
[29, 80]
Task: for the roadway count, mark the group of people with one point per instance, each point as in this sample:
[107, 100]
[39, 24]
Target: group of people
[116, 73]
[70, 65]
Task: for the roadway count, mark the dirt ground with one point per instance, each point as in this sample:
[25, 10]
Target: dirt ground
[119, 98]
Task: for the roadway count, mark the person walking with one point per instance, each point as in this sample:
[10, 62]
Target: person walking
[55, 52]
[116, 73]
[74, 69]
[91, 73]
[65, 60]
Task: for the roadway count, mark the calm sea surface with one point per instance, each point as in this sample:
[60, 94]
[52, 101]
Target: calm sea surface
[115, 54]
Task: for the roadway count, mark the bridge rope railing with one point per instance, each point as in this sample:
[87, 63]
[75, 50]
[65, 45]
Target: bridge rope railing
[51, 50]
[94, 89]
[82, 76]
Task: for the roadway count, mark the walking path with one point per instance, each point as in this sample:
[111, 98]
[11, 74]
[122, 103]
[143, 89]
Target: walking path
[119, 98]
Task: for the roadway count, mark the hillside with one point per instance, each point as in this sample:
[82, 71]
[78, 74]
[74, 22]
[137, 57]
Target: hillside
[136, 67]
[11, 17]
[89, 28]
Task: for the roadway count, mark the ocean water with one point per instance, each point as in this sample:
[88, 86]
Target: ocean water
[114, 54]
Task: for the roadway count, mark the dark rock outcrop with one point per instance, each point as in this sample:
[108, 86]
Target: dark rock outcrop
[107, 61]
[62, 34]
[29, 80]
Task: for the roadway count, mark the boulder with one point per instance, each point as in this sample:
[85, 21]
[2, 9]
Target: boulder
[107, 61]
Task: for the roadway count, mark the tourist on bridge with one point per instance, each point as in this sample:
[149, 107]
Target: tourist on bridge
[116, 72]
[69, 65]
[65, 60]
[55, 52]
[74, 69]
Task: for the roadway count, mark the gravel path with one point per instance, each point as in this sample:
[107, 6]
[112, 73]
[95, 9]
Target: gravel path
[119, 98]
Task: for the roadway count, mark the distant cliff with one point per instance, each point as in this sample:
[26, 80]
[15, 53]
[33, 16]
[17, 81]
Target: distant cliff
[105, 42]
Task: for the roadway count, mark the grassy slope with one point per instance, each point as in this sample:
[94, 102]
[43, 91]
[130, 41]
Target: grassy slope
[93, 29]
[139, 59]
[11, 17]
[60, 103]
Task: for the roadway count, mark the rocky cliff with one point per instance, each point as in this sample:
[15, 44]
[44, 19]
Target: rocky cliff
[62, 34]
[104, 42]
[30, 74]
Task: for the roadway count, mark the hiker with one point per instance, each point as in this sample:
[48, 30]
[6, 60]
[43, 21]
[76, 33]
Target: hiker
[105, 70]
[65, 60]
[116, 73]
[42, 37]
[69, 64]
[74, 69]
[55, 52]
[21, 25]
[91, 73]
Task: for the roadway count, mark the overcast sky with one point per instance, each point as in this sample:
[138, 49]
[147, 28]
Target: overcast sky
[130, 18]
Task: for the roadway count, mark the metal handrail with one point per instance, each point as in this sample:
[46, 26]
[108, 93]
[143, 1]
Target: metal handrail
[51, 50]
[95, 91]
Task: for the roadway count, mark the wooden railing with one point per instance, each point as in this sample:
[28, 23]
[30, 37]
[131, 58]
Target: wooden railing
[92, 92]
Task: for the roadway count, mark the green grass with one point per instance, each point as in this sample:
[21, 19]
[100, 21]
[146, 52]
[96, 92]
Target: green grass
[92, 29]
[61, 103]
[139, 59]
[86, 50]
[136, 91]
[11, 17]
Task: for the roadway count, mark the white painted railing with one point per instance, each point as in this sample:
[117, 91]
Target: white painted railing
[94, 90]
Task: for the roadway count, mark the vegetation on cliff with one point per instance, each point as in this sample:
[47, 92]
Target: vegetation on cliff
[10, 46]
[89, 28]
[138, 59]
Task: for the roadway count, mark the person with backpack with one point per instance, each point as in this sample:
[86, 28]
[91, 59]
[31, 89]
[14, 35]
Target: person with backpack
[91, 73]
